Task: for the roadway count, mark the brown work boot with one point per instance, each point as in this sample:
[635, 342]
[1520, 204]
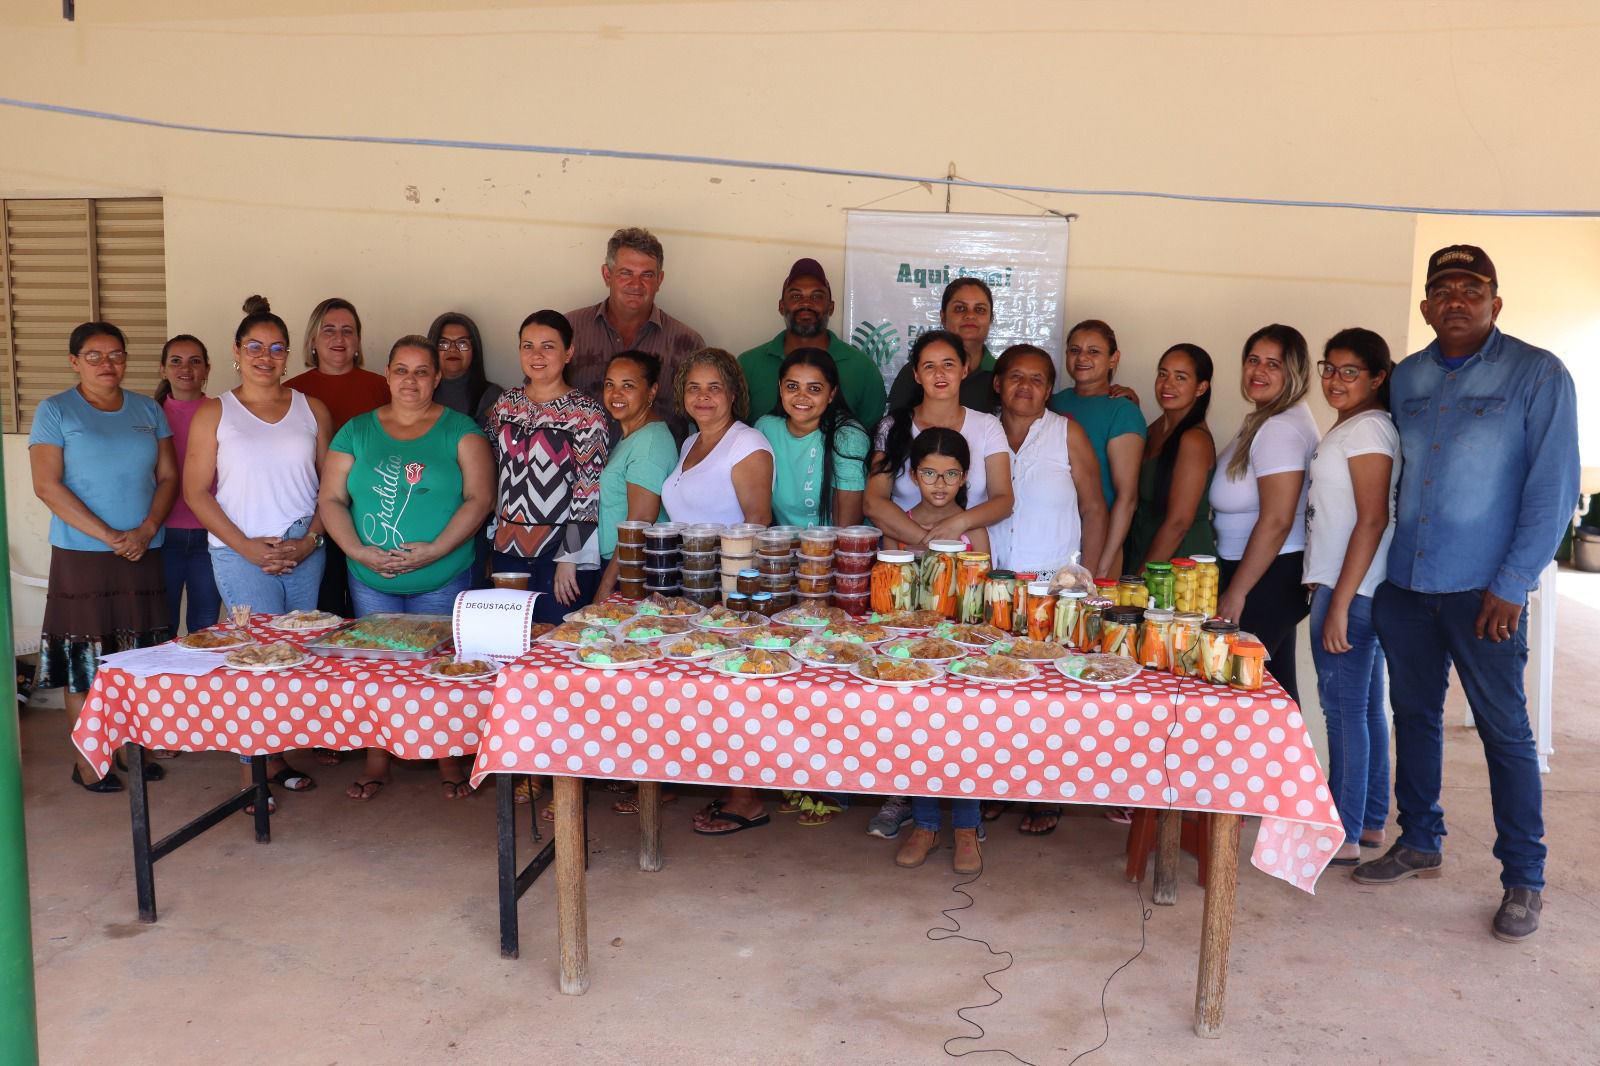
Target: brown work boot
[1397, 864]
[968, 859]
[914, 851]
[1518, 916]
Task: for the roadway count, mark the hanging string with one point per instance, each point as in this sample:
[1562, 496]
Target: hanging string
[793, 168]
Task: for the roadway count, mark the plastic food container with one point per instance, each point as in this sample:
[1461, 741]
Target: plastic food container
[732, 564]
[781, 598]
[854, 604]
[630, 571]
[702, 537]
[812, 599]
[740, 539]
[814, 584]
[629, 553]
[859, 540]
[700, 561]
[775, 564]
[671, 558]
[777, 542]
[818, 541]
[853, 562]
[815, 564]
[702, 579]
[630, 588]
[852, 584]
[703, 597]
[631, 532]
[664, 536]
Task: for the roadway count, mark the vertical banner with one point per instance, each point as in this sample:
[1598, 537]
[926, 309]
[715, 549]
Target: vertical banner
[898, 263]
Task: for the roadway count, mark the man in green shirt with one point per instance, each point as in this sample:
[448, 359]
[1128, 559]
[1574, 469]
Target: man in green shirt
[805, 304]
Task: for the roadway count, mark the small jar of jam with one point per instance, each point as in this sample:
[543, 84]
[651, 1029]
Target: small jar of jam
[761, 603]
[748, 582]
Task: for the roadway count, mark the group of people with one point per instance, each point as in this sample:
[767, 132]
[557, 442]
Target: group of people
[1414, 527]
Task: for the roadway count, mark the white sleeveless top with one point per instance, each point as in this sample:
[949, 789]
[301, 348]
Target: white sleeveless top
[705, 492]
[266, 471]
[1043, 529]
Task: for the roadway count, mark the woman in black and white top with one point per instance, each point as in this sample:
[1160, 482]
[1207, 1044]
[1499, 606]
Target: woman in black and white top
[1259, 497]
[1349, 522]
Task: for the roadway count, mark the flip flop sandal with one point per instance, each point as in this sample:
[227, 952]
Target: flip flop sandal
[329, 757]
[293, 780]
[375, 785]
[272, 805]
[1119, 815]
[793, 803]
[740, 823]
[526, 791]
[457, 789]
[710, 812]
[1048, 812]
[992, 809]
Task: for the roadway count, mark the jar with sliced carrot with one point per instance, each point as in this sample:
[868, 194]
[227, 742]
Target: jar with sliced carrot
[1155, 639]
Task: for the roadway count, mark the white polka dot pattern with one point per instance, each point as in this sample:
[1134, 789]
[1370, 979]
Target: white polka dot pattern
[1048, 740]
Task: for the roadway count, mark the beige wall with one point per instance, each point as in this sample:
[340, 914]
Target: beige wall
[1466, 103]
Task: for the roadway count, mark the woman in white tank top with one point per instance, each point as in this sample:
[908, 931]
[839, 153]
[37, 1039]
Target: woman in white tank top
[1059, 508]
[263, 445]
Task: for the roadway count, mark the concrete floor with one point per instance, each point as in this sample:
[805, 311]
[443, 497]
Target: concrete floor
[366, 934]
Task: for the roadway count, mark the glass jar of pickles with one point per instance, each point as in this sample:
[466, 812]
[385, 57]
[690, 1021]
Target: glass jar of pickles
[1119, 630]
[894, 582]
[936, 577]
[1217, 638]
[1183, 585]
[1041, 611]
[1019, 602]
[1159, 580]
[1131, 592]
[1186, 643]
[1208, 578]
[1068, 627]
[1248, 670]
[1000, 599]
[1155, 639]
[1094, 613]
[972, 577]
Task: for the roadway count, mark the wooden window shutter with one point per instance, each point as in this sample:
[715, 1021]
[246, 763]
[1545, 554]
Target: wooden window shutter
[71, 261]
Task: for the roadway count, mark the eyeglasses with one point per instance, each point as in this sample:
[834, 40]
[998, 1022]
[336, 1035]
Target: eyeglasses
[117, 358]
[929, 476]
[1347, 373]
[461, 344]
[255, 348]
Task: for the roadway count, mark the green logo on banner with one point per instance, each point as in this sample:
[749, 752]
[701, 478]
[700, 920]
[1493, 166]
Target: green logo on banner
[881, 342]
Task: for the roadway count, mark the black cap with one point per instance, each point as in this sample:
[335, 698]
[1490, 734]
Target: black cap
[1461, 259]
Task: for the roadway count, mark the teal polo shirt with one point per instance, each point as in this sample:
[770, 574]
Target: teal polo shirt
[859, 378]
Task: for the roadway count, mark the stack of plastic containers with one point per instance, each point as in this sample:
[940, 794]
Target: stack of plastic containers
[855, 551]
[814, 582]
[630, 559]
[738, 555]
[663, 558]
[702, 577]
[775, 564]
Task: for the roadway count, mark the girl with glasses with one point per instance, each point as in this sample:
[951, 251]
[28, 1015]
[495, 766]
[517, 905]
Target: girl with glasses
[940, 460]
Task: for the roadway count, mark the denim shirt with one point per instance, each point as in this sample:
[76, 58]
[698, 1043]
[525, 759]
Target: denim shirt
[1489, 479]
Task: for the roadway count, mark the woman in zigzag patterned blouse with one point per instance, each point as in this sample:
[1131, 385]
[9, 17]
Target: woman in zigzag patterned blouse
[550, 444]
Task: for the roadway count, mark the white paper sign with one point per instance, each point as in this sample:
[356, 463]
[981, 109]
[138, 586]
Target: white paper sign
[493, 623]
[898, 263]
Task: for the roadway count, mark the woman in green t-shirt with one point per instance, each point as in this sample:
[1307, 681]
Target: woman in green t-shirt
[819, 450]
[404, 489]
[630, 484]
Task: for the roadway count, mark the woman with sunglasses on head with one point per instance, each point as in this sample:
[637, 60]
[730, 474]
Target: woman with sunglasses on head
[251, 476]
[335, 376]
[966, 308]
[186, 555]
[1259, 497]
[102, 461]
[1349, 523]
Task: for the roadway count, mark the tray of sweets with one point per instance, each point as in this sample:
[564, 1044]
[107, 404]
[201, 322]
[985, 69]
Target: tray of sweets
[400, 637]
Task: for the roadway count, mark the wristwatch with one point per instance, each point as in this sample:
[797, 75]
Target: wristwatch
[318, 541]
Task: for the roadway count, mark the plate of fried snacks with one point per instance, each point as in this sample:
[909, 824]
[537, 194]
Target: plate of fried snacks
[897, 673]
[809, 617]
[979, 635]
[672, 606]
[652, 627]
[448, 669]
[904, 622]
[775, 635]
[304, 620]
[1101, 670]
[726, 621]
[615, 655]
[831, 654]
[264, 658]
[576, 634]
[699, 644]
[1033, 651]
[755, 662]
[606, 614]
[993, 669]
[215, 639]
[928, 649]
[854, 632]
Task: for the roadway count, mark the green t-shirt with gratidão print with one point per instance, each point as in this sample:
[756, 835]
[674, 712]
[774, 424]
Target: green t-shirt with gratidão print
[404, 491]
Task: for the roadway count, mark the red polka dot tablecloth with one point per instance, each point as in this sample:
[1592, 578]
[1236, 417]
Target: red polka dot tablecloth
[343, 704]
[1047, 740]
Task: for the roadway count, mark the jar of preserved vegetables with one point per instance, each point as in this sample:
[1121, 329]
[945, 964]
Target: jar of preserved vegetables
[1155, 639]
[1186, 643]
[936, 577]
[1208, 579]
[1158, 578]
[1000, 598]
[1217, 638]
[1183, 585]
[972, 578]
[1131, 592]
[1041, 611]
[1119, 629]
[894, 582]
[1094, 612]
[1248, 669]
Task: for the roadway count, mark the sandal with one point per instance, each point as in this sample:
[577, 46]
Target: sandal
[291, 779]
[630, 805]
[361, 789]
[814, 812]
[109, 783]
[454, 790]
[1025, 826]
[989, 810]
[527, 791]
[152, 772]
[740, 823]
[329, 757]
[272, 805]
[1119, 815]
[793, 802]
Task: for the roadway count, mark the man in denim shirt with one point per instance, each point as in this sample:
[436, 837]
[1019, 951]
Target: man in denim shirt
[1489, 441]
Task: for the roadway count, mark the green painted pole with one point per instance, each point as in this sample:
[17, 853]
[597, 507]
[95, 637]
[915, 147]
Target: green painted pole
[19, 1023]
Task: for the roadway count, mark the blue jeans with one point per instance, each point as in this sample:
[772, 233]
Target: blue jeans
[442, 600]
[1422, 635]
[1350, 686]
[241, 581]
[186, 558]
[542, 578]
[925, 811]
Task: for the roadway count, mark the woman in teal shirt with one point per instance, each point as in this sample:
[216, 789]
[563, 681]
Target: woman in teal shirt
[630, 484]
[404, 489]
[1115, 428]
[819, 450]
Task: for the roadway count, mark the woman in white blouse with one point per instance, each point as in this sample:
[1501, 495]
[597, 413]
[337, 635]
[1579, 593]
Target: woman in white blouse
[724, 475]
[939, 364]
[1259, 497]
[1349, 522]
